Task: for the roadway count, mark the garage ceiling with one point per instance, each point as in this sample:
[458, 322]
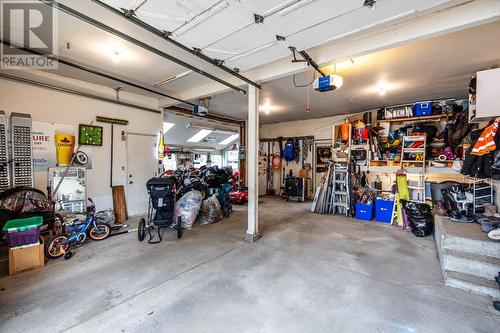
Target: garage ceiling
[227, 29]
[222, 29]
[436, 68]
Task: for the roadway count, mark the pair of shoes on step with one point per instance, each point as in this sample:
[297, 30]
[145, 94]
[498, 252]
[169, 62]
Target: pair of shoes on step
[459, 216]
[488, 223]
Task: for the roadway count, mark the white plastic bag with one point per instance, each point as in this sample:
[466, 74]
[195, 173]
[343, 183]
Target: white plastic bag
[187, 208]
[210, 211]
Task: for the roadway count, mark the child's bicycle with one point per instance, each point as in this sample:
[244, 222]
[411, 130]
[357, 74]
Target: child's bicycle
[76, 232]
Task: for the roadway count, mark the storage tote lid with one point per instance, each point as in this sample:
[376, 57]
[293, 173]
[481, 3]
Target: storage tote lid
[23, 224]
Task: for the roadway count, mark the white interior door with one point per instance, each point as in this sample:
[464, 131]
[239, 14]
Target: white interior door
[141, 166]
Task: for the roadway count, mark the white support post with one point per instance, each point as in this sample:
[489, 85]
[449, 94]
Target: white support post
[252, 164]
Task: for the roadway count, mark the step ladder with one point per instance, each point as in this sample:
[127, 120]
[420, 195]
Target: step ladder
[333, 197]
[413, 157]
[339, 201]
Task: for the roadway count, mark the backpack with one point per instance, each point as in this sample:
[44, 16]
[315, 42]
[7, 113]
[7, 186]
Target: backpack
[289, 151]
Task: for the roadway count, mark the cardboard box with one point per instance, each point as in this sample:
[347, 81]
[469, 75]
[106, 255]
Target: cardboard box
[26, 257]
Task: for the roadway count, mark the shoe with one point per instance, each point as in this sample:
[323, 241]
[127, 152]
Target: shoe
[461, 219]
[453, 212]
[448, 200]
[487, 224]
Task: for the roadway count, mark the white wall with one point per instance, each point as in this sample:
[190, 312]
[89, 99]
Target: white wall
[320, 128]
[51, 106]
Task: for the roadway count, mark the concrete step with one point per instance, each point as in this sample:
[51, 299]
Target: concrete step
[471, 264]
[472, 284]
[464, 237]
[483, 248]
[469, 259]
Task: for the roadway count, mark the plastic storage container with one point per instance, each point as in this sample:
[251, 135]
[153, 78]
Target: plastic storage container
[23, 231]
[383, 210]
[364, 211]
[422, 109]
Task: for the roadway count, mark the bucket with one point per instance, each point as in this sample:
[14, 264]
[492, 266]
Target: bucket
[437, 187]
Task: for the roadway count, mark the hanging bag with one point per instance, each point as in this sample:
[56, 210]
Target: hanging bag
[289, 151]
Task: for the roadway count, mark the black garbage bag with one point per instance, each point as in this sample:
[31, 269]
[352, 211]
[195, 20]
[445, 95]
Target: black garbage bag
[211, 176]
[420, 218]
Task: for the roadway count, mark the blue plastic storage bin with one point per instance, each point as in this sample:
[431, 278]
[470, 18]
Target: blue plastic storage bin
[364, 212]
[422, 109]
[383, 210]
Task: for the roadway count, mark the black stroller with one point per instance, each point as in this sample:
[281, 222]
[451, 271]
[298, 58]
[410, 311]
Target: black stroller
[160, 210]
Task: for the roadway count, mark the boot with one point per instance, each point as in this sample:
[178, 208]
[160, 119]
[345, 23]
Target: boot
[446, 203]
[454, 213]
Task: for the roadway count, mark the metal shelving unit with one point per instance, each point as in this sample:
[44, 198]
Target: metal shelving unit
[417, 191]
[482, 191]
[22, 151]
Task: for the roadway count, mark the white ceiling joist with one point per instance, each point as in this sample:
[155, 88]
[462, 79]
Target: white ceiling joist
[464, 15]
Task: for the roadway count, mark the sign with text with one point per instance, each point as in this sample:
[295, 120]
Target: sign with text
[44, 147]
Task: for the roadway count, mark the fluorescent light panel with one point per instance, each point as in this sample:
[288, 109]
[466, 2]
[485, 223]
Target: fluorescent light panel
[173, 78]
[204, 149]
[229, 139]
[167, 126]
[214, 129]
[200, 135]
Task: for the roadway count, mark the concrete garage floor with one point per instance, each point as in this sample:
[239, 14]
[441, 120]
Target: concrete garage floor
[308, 273]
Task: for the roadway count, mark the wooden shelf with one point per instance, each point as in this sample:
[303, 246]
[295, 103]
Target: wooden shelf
[434, 116]
[384, 163]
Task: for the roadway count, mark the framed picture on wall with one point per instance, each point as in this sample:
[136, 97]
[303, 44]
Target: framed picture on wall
[323, 157]
[89, 135]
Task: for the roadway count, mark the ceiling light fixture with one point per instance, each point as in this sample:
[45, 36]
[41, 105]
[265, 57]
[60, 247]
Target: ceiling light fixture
[337, 80]
[167, 126]
[382, 88]
[173, 78]
[229, 139]
[213, 129]
[198, 19]
[266, 108]
[200, 135]
[115, 56]
[203, 149]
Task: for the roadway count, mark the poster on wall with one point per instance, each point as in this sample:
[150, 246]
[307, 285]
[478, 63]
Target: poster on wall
[323, 157]
[44, 147]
